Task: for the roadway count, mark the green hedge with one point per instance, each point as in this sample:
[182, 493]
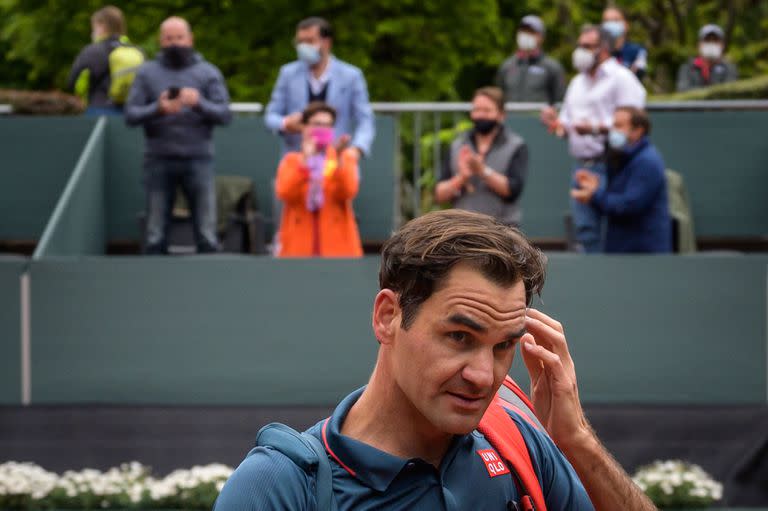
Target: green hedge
[750, 88]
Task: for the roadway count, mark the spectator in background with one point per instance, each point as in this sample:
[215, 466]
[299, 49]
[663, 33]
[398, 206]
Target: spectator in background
[708, 67]
[487, 165]
[586, 116]
[530, 75]
[629, 54]
[319, 76]
[178, 98]
[317, 186]
[91, 73]
[634, 201]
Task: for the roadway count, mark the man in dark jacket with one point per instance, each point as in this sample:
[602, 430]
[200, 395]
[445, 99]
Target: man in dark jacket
[709, 67]
[90, 75]
[178, 98]
[634, 202]
[530, 75]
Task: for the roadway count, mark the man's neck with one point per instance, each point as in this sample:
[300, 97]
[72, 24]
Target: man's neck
[485, 141]
[527, 54]
[593, 72]
[385, 419]
[319, 68]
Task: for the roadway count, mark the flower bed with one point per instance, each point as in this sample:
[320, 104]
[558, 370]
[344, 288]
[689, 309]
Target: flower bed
[26, 486]
[676, 484]
[130, 486]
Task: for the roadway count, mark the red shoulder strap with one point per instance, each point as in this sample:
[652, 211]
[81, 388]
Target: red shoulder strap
[502, 432]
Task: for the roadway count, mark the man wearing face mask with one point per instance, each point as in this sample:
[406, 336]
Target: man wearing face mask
[629, 54]
[486, 168]
[529, 75]
[634, 200]
[708, 67]
[178, 98]
[319, 76]
[586, 116]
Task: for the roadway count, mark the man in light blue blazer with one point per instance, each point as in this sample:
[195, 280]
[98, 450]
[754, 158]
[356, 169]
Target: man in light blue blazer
[319, 76]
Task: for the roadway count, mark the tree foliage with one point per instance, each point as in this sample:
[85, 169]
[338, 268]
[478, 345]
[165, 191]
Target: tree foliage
[427, 50]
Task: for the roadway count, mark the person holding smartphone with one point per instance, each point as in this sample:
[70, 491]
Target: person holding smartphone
[178, 98]
[317, 186]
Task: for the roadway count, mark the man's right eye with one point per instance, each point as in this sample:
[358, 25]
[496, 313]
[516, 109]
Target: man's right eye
[458, 336]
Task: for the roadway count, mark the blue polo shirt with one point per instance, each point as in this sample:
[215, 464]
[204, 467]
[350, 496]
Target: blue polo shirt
[365, 478]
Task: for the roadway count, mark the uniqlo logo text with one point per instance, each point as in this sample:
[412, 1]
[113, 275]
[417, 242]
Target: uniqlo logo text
[493, 462]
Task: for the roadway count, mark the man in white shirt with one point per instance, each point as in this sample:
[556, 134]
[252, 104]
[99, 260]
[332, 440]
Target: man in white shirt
[586, 116]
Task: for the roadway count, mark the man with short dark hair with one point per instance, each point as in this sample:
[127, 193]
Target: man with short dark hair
[486, 167]
[634, 200]
[709, 67]
[530, 75]
[455, 289]
[319, 76]
[178, 98]
[629, 54]
[586, 116]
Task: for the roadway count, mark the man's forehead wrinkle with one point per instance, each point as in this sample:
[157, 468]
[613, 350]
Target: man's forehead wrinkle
[511, 309]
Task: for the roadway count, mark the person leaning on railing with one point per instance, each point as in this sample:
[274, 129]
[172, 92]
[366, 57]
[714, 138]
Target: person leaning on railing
[317, 185]
[487, 165]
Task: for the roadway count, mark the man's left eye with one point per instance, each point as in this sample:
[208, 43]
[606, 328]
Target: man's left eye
[503, 346]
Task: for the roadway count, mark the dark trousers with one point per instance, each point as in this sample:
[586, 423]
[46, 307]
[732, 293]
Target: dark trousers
[196, 177]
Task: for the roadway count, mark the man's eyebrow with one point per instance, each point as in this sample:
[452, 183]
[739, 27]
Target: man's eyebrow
[468, 322]
[516, 335]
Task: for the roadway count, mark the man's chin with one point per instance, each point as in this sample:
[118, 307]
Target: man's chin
[460, 424]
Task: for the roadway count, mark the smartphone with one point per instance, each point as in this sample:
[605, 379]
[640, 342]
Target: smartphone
[173, 92]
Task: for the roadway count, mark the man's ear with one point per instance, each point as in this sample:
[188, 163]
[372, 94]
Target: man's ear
[386, 316]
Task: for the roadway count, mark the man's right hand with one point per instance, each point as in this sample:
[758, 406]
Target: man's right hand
[292, 123]
[169, 106]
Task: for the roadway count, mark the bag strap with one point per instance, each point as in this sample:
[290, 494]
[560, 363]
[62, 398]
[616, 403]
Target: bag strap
[306, 452]
[505, 436]
[517, 400]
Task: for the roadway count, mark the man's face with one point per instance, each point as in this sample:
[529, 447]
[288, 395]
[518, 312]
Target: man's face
[711, 47]
[590, 41]
[622, 121]
[484, 108]
[528, 39]
[312, 36]
[455, 355]
[175, 33]
[615, 15]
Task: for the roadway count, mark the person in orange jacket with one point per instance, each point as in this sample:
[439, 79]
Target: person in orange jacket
[317, 186]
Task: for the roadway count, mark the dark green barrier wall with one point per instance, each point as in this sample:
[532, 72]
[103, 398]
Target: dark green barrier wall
[195, 330]
[721, 155]
[682, 329]
[246, 148]
[254, 330]
[38, 155]
[10, 329]
[77, 224]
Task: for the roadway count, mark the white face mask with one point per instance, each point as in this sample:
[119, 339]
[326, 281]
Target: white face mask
[711, 51]
[614, 27]
[526, 41]
[583, 59]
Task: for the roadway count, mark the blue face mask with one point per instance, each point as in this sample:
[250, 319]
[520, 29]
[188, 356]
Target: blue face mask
[308, 53]
[617, 139]
[615, 28]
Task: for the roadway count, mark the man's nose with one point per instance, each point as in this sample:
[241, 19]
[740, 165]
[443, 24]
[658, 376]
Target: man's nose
[479, 370]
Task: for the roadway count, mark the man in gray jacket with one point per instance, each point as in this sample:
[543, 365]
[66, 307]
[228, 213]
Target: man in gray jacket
[530, 75]
[178, 98]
